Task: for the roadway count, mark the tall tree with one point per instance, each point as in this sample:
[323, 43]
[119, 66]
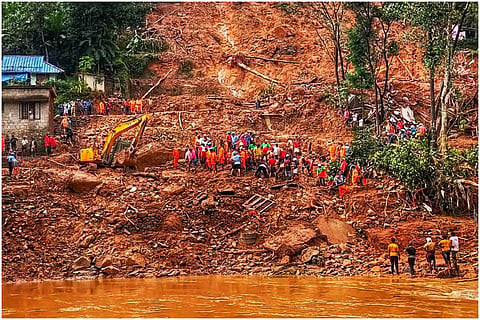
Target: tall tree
[371, 46]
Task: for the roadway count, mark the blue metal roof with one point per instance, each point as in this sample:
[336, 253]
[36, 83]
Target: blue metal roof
[30, 64]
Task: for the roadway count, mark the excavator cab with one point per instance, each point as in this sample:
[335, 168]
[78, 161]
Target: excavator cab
[113, 145]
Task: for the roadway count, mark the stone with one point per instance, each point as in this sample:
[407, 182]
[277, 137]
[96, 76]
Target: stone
[308, 254]
[104, 262]
[87, 241]
[285, 260]
[81, 263]
[110, 270]
[346, 262]
[83, 182]
[173, 189]
[376, 269]
[136, 260]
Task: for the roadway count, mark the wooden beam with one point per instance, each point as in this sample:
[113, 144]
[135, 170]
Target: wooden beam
[156, 84]
[243, 66]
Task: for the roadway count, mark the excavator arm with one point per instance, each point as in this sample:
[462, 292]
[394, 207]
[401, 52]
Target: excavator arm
[121, 128]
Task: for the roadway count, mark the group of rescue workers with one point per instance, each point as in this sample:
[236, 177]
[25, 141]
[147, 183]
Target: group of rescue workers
[449, 247]
[242, 153]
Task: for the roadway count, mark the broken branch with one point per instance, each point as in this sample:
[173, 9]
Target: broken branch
[156, 84]
[241, 65]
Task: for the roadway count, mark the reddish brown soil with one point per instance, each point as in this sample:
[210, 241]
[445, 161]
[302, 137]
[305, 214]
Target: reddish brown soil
[154, 222]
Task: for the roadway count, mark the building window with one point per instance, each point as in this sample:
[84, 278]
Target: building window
[30, 110]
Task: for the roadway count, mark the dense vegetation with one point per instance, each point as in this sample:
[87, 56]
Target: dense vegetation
[96, 37]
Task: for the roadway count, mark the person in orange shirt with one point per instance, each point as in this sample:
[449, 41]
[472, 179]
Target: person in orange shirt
[243, 159]
[176, 156]
[343, 152]
[213, 160]
[225, 146]
[221, 156]
[101, 107]
[332, 150]
[138, 105]
[356, 175]
[209, 159]
[394, 254]
[132, 106]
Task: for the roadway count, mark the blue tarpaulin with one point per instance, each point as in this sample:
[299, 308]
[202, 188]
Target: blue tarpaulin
[14, 76]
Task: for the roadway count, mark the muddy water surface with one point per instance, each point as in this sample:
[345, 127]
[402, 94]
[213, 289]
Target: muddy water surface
[222, 296]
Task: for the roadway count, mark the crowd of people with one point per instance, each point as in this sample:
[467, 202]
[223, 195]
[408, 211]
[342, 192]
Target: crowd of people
[398, 129]
[105, 106]
[242, 153]
[449, 248]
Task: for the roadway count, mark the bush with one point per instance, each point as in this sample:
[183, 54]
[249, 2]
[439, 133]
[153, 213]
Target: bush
[410, 161]
[69, 89]
[363, 146]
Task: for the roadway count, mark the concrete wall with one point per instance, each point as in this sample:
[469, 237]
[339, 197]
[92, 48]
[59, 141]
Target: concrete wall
[93, 82]
[11, 111]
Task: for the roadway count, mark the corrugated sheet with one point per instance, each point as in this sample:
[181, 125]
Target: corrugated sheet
[30, 64]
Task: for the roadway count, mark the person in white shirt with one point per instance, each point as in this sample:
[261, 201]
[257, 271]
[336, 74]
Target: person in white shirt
[454, 248]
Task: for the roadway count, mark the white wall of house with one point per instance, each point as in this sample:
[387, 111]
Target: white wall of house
[94, 82]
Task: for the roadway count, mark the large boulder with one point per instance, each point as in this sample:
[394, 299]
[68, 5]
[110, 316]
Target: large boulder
[110, 270]
[337, 231]
[135, 259]
[104, 262]
[174, 189]
[83, 182]
[81, 263]
[294, 239]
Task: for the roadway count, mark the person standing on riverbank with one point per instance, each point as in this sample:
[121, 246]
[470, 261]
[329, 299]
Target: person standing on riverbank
[411, 258]
[394, 254]
[454, 248]
[445, 244]
[430, 249]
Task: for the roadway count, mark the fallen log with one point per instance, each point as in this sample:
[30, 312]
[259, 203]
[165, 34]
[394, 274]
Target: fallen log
[243, 66]
[271, 60]
[234, 230]
[467, 182]
[180, 120]
[156, 84]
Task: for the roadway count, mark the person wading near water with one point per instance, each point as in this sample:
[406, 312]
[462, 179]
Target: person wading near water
[394, 254]
[445, 244]
[430, 249]
[411, 258]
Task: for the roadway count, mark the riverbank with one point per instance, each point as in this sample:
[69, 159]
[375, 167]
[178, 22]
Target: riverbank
[171, 223]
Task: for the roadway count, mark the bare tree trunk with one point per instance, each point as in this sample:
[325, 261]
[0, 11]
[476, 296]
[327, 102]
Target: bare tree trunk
[433, 111]
[447, 82]
[339, 44]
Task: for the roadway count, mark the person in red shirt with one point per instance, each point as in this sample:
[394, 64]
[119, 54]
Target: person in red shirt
[176, 156]
[53, 144]
[283, 153]
[3, 145]
[272, 164]
[296, 147]
[48, 146]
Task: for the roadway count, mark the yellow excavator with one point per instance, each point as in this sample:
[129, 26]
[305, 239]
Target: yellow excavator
[116, 152]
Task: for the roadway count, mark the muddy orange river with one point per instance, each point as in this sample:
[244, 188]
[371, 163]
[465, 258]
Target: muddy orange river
[240, 296]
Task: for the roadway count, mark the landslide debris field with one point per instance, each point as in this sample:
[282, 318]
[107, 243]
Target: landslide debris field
[61, 220]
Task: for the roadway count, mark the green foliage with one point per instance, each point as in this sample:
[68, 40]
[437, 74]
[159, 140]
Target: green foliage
[333, 168]
[363, 146]
[357, 44]
[136, 64]
[410, 161]
[85, 64]
[269, 91]
[69, 89]
[288, 7]
[471, 155]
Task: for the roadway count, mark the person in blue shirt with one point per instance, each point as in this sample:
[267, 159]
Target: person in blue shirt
[11, 162]
[236, 163]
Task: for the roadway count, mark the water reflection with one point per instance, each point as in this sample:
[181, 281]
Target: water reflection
[218, 296]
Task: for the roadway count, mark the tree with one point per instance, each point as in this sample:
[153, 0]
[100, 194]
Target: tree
[370, 46]
[330, 16]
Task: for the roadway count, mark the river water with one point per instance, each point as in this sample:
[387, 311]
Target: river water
[242, 296]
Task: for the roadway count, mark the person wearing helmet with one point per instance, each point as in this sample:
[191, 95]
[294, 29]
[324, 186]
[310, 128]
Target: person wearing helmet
[430, 249]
